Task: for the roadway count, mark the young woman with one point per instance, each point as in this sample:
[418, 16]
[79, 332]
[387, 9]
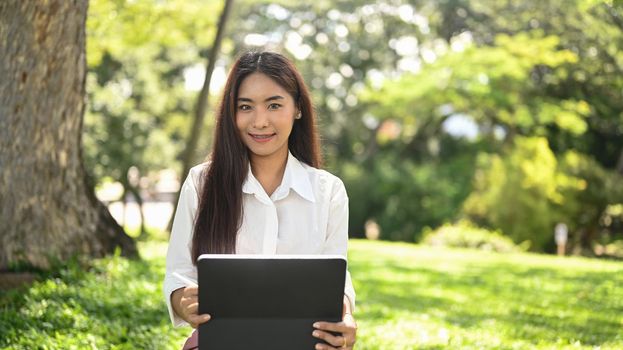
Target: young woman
[262, 191]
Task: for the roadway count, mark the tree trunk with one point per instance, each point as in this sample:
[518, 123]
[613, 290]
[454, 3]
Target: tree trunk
[619, 166]
[136, 193]
[188, 158]
[124, 202]
[48, 208]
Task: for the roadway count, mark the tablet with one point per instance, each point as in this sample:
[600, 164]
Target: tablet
[268, 302]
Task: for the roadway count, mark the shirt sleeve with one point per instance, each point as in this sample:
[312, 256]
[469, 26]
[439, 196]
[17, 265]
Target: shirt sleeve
[337, 233]
[179, 251]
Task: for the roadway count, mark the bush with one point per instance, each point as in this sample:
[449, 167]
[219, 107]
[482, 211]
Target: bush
[465, 235]
[517, 192]
[612, 250]
[404, 195]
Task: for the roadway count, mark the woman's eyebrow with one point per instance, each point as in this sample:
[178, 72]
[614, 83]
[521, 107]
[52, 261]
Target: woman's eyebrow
[272, 98]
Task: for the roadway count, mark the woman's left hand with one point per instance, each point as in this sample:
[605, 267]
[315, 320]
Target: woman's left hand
[347, 328]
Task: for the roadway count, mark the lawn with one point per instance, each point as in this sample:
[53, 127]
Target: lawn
[417, 297]
[409, 297]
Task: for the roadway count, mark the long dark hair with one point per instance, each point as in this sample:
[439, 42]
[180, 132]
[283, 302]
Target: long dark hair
[220, 200]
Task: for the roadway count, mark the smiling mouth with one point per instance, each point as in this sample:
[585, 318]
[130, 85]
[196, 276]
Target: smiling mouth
[262, 137]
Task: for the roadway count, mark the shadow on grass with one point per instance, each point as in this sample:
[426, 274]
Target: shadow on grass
[526, 303]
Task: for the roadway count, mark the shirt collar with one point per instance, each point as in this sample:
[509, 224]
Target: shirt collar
[295, 177]
[299, 178]
[251, 185]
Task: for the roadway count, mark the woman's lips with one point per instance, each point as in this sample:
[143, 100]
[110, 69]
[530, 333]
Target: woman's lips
[262, 137]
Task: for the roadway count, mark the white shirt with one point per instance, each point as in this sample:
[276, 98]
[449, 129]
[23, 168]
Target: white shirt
[306, 214]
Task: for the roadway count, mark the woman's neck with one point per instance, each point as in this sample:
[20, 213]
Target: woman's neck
[269, 171]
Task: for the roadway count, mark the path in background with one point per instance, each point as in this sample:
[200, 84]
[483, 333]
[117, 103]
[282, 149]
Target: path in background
[158, 202]
[157, 214]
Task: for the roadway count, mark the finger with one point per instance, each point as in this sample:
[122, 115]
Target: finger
[196, 320]
[331, 326]
[192, 309]
[191, 291]
[187, 301]
[324, 347]
[329, 338]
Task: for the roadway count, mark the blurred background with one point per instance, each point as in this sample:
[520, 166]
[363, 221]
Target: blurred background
[499, 118]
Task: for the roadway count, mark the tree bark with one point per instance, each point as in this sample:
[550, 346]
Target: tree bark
[188, 158]
[48, 208]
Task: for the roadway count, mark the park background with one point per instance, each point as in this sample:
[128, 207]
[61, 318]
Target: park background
[464, 131]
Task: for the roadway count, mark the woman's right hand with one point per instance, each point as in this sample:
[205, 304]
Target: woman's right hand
[187, 301]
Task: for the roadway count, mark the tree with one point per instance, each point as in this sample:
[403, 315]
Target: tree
[593, 31]
[48, 209]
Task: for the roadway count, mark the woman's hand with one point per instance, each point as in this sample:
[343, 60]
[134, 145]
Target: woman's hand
[347, 328]
[185, 301]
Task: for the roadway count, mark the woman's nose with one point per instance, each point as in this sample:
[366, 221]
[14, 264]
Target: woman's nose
[261, 120]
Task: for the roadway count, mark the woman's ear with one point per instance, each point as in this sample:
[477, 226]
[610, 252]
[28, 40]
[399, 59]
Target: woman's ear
[298, 114]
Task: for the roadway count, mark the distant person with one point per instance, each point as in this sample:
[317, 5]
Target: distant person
[262, 191]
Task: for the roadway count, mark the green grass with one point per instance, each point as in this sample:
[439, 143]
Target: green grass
[117, 304]
[417, 297]
[409, 297]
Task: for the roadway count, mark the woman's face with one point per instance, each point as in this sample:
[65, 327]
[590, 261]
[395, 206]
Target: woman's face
[264, 116]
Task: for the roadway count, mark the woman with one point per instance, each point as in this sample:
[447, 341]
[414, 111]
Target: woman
[261, 192]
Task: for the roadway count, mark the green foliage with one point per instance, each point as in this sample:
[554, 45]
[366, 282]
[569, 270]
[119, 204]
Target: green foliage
[405, 197]
[515, 192]
[408, 296]
[491, 84]
[526, 191]
[592, 195]
[592, 31]
[517, 69]
[139, 109]
[119, 26]
[466, 235]
[387, 77]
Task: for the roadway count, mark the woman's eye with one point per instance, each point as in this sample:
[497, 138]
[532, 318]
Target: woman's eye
[244, 107]
[274, 106]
